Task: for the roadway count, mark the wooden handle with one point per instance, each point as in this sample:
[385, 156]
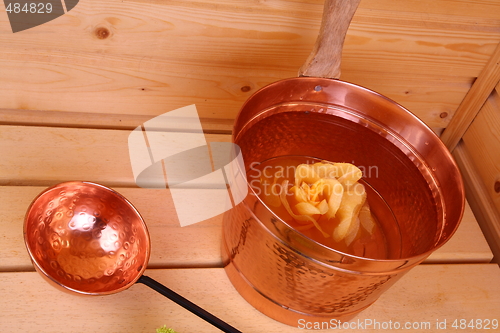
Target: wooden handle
[325, 58]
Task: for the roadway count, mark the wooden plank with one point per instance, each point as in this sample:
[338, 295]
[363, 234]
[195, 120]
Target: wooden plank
[159, 56]
[48, 155]
[482, 142]
[197, 245]
[480, 159]
[483, 205]
[426, 296]
[171, 245]
[473, 101]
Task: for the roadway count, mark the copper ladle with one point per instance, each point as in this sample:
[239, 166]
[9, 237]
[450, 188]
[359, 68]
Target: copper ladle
[88, 239]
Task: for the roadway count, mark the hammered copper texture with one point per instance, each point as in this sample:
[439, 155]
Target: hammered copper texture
[292, 279]
[288, 276]
[392, 174]
[86, 238]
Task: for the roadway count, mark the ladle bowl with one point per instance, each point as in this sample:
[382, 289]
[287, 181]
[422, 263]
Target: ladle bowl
[88, 239]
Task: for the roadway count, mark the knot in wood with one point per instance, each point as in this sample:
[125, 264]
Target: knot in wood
[102, 33]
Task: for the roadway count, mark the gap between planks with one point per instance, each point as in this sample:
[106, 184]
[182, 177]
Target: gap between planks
[42, 118]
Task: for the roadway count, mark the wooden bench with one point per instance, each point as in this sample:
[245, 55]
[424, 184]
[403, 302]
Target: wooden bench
[456, 282]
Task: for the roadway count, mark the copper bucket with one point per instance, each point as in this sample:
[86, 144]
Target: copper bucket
[287, 275]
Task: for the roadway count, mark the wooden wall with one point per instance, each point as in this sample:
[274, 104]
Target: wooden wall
[114, 63]
[117, 63]
[478, 155]
[482, 142]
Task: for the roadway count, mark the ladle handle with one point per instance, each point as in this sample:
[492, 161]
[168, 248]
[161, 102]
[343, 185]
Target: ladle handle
[325, 58]
[186, 304]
